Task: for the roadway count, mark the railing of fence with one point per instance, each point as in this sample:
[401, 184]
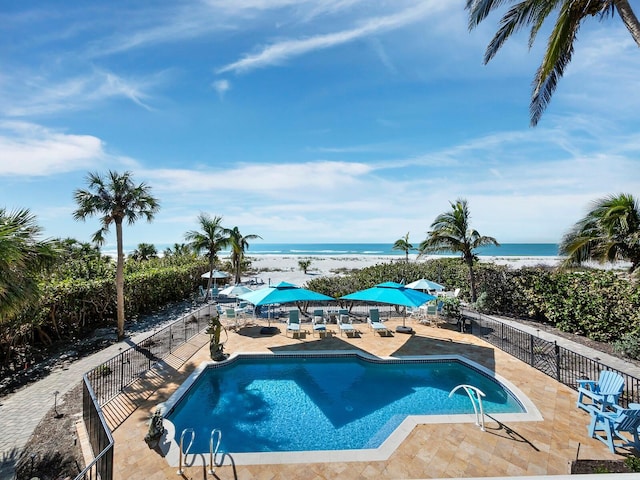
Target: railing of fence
[562, 364]
[107, 380]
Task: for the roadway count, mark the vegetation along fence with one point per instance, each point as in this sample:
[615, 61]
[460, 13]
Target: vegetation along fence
[562, 364]
[107, 380]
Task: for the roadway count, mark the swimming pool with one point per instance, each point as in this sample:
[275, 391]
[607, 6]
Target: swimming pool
[302, 402]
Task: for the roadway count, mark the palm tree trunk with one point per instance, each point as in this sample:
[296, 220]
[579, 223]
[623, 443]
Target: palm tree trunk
[472, 280]
[208, 292]
[120, 280]
[629, 18]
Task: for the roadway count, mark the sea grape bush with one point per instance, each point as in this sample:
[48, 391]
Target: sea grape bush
[603, 305]
[70, 306]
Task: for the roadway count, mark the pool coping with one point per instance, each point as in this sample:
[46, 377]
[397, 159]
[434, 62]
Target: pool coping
[171, 449]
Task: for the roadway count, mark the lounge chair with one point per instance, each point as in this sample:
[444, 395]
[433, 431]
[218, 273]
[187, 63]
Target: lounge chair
[374, 322]
[612, 424]
[230, 313]
[344, 322]
[293, 323]
[601, 394]
[318, 321]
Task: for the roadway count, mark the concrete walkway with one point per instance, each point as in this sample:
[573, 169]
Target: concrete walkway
[22, 411]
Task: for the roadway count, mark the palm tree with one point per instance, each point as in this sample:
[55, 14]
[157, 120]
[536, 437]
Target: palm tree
[403, 245]
[239, 243]
[211, 238]
[116, 198]
[609, 232]
[22, 258]
[178, 250]
[533, 13]
[451, 233]
[144, 252]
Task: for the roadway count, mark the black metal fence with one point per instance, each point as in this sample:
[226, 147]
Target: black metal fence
[563, 365]
[107, 380]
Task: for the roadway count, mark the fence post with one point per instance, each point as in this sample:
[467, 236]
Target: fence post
[501, 336]
[532, 349]
[556, 348]
[170, 338]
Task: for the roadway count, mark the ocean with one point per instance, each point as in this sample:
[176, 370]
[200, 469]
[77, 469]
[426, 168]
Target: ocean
[329, 249]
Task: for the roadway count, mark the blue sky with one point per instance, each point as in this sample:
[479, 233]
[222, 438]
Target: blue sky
[309, 121]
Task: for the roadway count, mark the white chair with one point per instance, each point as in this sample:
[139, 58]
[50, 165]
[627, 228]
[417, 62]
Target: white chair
[344, 322]
[319, 323]
[293, 323]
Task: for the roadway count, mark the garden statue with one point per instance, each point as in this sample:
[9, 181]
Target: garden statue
[156, 429]
[216, 348]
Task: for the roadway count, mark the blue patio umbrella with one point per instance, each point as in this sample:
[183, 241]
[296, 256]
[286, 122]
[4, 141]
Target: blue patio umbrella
[424, 284]
[391, 293]
[283, 292]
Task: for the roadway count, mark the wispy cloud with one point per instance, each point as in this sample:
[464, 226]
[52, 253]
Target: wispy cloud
[279, 52]
[42, 95]
[221, 86]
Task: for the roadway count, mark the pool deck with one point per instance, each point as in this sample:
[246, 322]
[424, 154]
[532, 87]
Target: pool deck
[441, 450]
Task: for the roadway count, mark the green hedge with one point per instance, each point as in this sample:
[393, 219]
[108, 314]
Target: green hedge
[69, 306]
[601, 305]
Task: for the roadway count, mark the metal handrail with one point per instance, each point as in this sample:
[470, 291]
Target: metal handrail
[185, 453]
[214, 451]
[102, 464]
[475, 395]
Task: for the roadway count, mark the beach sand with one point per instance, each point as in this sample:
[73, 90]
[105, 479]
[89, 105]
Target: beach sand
[284, 268]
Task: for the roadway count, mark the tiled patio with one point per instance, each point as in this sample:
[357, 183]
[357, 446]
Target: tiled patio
[430, 451]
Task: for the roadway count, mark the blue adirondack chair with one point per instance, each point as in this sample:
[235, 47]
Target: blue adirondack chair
[609, 426]
[601, 394]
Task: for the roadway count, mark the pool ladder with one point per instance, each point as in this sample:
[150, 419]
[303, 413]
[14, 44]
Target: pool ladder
[182, 451]
[213, 451]
[214, 446]
[475, 395]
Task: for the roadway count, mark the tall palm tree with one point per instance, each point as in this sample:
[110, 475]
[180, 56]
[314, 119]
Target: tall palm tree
[22, 258]
[211, 238]
[609, 232]
[145, 251]
[450, 232]
[533, 13]
[239, 243]
[115, 198]
[403, 245]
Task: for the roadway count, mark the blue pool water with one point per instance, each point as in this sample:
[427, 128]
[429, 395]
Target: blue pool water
[300, 403]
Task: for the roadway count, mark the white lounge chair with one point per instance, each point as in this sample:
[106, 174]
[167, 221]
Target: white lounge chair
[293, 323]
[344, 322]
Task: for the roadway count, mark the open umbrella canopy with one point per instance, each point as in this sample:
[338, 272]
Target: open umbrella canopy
[391, 293]
[424, 284]
[283, 293]
[235, 290]
[215, 274]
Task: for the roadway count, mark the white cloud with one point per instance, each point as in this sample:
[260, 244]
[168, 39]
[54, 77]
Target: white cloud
[221, 86]
[46, 94]
[277, 53]
[32, 150]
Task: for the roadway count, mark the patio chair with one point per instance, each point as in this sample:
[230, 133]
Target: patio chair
[293, 323]
[612, 424]
[601, 394]
[318, 322]
[374, 316]
[230, 313]
[377, 326]
[432, 309]
[344, 322]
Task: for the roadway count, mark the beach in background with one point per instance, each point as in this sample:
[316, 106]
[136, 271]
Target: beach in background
[274, 268]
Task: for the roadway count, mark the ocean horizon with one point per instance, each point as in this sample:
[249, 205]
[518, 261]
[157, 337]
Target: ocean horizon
[329, 249]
